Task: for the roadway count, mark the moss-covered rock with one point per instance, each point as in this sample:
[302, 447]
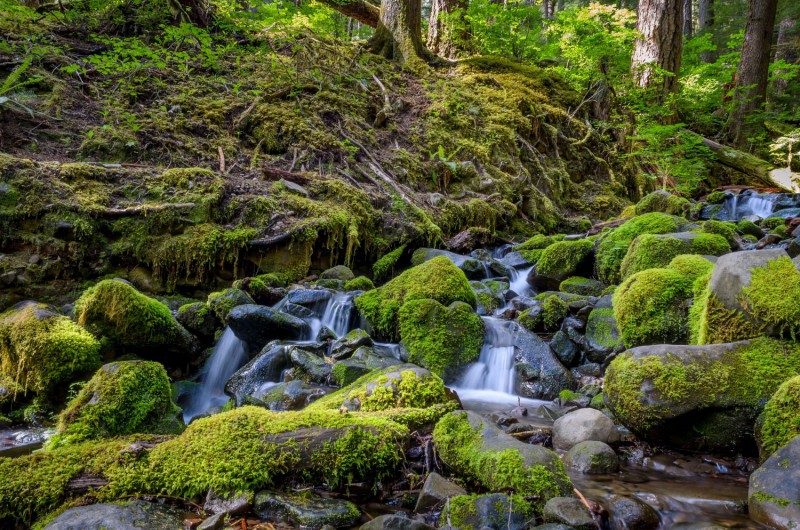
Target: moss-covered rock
[123, 397]
[780, 423]
[724, 229]
[245, 449]
[442, 339]
[42, 351]
[651, 251]
[132, 321]
[561, 260]
[223, 302]
[664, 202]
[749, 228]
[652, 307]
[384, 267]
[339, 272]
[361, 283]
[691, 265]
[481, 453]
[199, 320]
[612, 248]
[407, 393]
[581, 286]
[537, 242]
[772, 298]
[438, 279]
[492, 510]
[544, 316]
[674, 391]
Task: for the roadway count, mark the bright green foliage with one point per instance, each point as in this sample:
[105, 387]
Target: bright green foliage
[650, 251]
[461, 448]
[781, 420]
[546, 318]
[664, 202]
[745, 376]
[438, 279]
[124, 397]
[691, 265]
[613, 247]
[245, 449]
[41, 351]
[771, 298]
[360, 283]
[499, 31]
[563, 257]
[442, 339]
[539, 241]
[384, 267]
[717, 197]
[770, 223]
[651, 307]
[130, 319]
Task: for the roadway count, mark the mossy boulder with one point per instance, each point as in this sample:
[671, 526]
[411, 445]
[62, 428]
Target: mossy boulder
[438, 279]
[256, 325]
[135, 515]
[748, 294]
[41, 352]
[492, 510]
[602, 333]
[724, 229]
[664, 202]
[360, 283]
[305, 510]
[490, 295]
[537, 242]
[561, 260]
[442, 339]
[545, 315]
[339, 272]
[133, 322]
[592, 457]
[614, 245]
[123, 397]
[780, 423]
[199, 320]
[245, 449]
[675, 393]
[691, 265]
[652, 307]
[481, 453]
[408, 393]
[385, 266]
[223, 302]
[652, 251]
[773, 498]
[581, 286]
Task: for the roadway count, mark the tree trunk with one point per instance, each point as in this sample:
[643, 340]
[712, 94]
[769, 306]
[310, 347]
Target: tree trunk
[399, 32]
[705, 24]
[547, 6]
[687, 19]
[786, 49]
[443, 39]
[197, 12]
[361, 10]
[751, 79]
[660, 23]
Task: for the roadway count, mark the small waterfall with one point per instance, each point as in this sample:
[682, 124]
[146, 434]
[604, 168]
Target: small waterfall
[228, 356]
[495, 368]
[338, 314]
[519, 281]
[762, 205]
[738, 206]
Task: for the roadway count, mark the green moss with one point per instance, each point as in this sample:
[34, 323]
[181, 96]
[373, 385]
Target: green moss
[613, 247]
[710, 322]
[438, 279]
[711, 245]
[650, 251]
[691, 265]
[717, 197]
[384, 267]
[460, 447]
[568, 395]
[749, 228]
[537, 242]
[771, 223]
[80, 171]
[130, 319]
[601, 326]
[125, 397]
[361, 283]
[223, 302]
[546, 318]
[651, 307]
[726, 230]
[561, 259]
[463, 513]
[771, 298]
[581, 286]
[532, 256]
[41, 351]
[442, 339]
[598, 402]
[781, 419]
[663, 201]
[745, 376]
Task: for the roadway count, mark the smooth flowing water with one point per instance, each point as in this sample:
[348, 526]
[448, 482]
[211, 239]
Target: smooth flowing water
[228, 356]
[519, 281]
[339, 313]
[745, 204]
[494, 370]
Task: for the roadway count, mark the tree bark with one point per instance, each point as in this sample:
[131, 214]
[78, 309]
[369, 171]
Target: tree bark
[687, 19]
[360, 10]
[656, 57]
[443, 39]
[705, 24]
[398, 34]
[751, 79]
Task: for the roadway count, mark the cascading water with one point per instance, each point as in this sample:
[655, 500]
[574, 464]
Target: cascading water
[745, 204]
[494, 370]
[228, 356]
[519, 281]
[338, 313]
